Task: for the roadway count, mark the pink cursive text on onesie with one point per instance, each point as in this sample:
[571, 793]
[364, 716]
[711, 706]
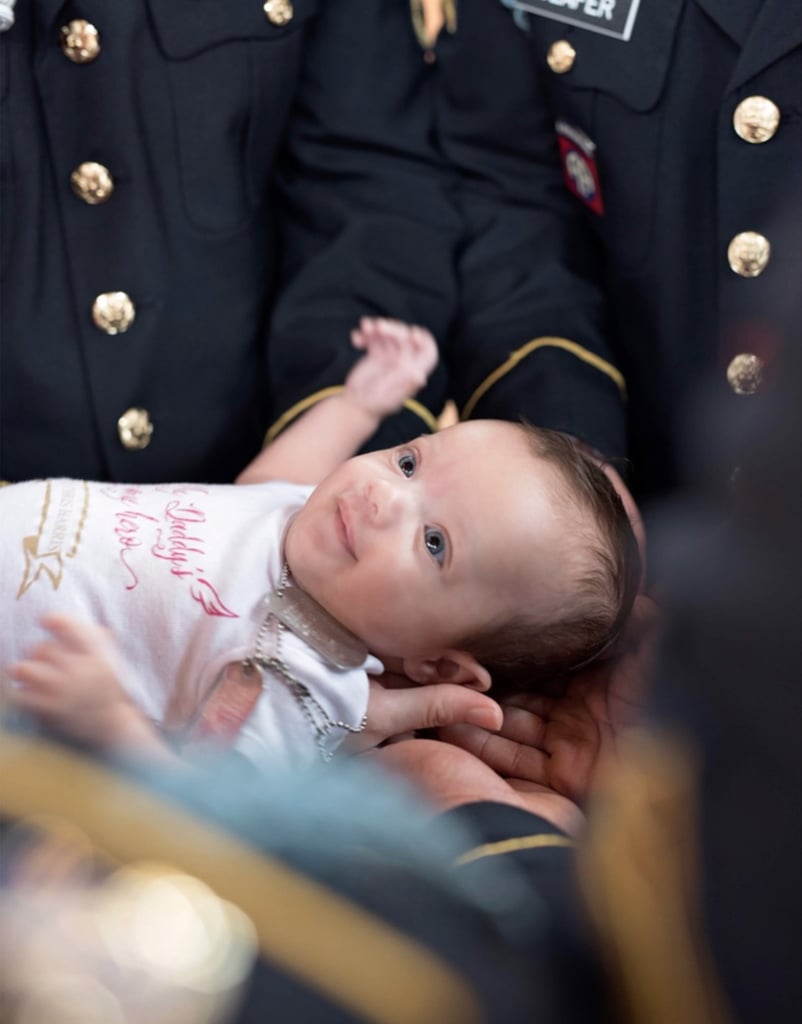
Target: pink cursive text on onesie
[178, 539]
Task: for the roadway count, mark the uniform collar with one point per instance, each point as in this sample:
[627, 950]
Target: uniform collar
[764, 29]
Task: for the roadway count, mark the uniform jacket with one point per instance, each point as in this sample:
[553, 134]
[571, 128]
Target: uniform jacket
[271, 181]
[617, 171]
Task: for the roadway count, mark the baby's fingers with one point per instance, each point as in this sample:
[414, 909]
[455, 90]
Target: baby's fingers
[367, 332]
[358, 339]
[424, 347]
[78, 636]
[39, 678]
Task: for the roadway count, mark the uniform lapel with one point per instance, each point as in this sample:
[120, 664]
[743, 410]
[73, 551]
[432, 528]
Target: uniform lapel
[734, 17]
[777, 29]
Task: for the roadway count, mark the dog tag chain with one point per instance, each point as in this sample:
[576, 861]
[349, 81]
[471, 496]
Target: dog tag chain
[292, 608]
[303, 616]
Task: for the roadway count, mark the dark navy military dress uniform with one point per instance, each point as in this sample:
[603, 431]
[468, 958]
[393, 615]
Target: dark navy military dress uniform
[199, 200]
[634, 210]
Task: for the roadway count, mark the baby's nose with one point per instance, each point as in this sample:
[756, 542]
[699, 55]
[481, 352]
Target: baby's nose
[382, 502]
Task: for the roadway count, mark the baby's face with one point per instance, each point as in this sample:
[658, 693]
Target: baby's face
[413, 548]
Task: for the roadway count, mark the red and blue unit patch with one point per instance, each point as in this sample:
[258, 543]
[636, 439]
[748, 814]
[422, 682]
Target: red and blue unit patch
[577, 153]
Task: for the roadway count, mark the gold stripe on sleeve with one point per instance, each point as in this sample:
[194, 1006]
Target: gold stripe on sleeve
[542, 840]
[584, 354]
[306, 403]
[295, 410]
[422, 413]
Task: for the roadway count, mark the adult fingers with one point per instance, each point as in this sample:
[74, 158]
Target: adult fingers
[391, 712]
[506, 756]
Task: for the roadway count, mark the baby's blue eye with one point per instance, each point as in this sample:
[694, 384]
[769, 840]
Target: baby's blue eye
[435, 543]
[407, 463]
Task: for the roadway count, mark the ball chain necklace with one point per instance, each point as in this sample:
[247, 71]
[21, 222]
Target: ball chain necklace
[242, 682]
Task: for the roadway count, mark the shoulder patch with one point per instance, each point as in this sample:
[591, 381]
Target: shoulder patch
[578, 156]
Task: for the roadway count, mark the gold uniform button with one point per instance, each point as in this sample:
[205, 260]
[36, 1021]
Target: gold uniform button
[135, 429]
[92, 182]
[113, 312]
[80, 41]
[561, 57]
[745, 373]
[756, 119]
[748, 254]
[279, 12]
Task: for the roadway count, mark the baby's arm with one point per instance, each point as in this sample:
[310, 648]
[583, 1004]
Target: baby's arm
[71, 683]
[397, 362]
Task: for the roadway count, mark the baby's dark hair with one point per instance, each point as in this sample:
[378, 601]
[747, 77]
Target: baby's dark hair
[522, 654]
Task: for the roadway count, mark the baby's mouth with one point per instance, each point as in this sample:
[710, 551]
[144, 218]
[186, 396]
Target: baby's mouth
[344, 528]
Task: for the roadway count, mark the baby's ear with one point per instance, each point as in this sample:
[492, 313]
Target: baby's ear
[451, 667]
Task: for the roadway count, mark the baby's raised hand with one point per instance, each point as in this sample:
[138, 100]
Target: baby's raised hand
[71, 680]
[398, 360]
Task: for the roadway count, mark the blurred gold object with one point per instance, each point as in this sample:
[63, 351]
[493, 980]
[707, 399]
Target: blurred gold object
[639, 864]
[92, 182]
[128, 821]
[561, 56]
[135, 429]
[279, 12]
[113, 312]
[146, 944]
[756, 119]
[80, 41]
[748, 254]
[429, 18]
[745, 373]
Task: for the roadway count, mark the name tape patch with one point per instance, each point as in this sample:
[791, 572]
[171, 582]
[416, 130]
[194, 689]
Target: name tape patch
[614, 18]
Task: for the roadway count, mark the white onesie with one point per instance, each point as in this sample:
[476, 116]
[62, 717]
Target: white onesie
[179, 573]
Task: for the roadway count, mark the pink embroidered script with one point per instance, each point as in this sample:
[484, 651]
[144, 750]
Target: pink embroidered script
[178, 540]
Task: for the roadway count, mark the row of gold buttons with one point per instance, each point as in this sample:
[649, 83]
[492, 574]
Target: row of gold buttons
[755, 120]
[92, 182]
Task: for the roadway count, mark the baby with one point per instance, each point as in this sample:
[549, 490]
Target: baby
[488, 553]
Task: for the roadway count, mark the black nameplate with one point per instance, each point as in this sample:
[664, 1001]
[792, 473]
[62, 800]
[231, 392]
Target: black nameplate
[607, 17]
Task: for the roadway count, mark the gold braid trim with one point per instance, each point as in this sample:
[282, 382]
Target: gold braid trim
[582, 353]
[505, 846]
[306, 403]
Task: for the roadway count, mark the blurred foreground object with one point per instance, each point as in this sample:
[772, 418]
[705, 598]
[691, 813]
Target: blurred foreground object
[319, 897]
[692, 864]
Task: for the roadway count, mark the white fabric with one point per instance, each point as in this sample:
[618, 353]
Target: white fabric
[6, 14]
[179, 573]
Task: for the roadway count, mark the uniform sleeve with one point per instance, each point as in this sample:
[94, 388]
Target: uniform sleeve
[529, 337]
[367, 226]
[555, 934]
[533, 844]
